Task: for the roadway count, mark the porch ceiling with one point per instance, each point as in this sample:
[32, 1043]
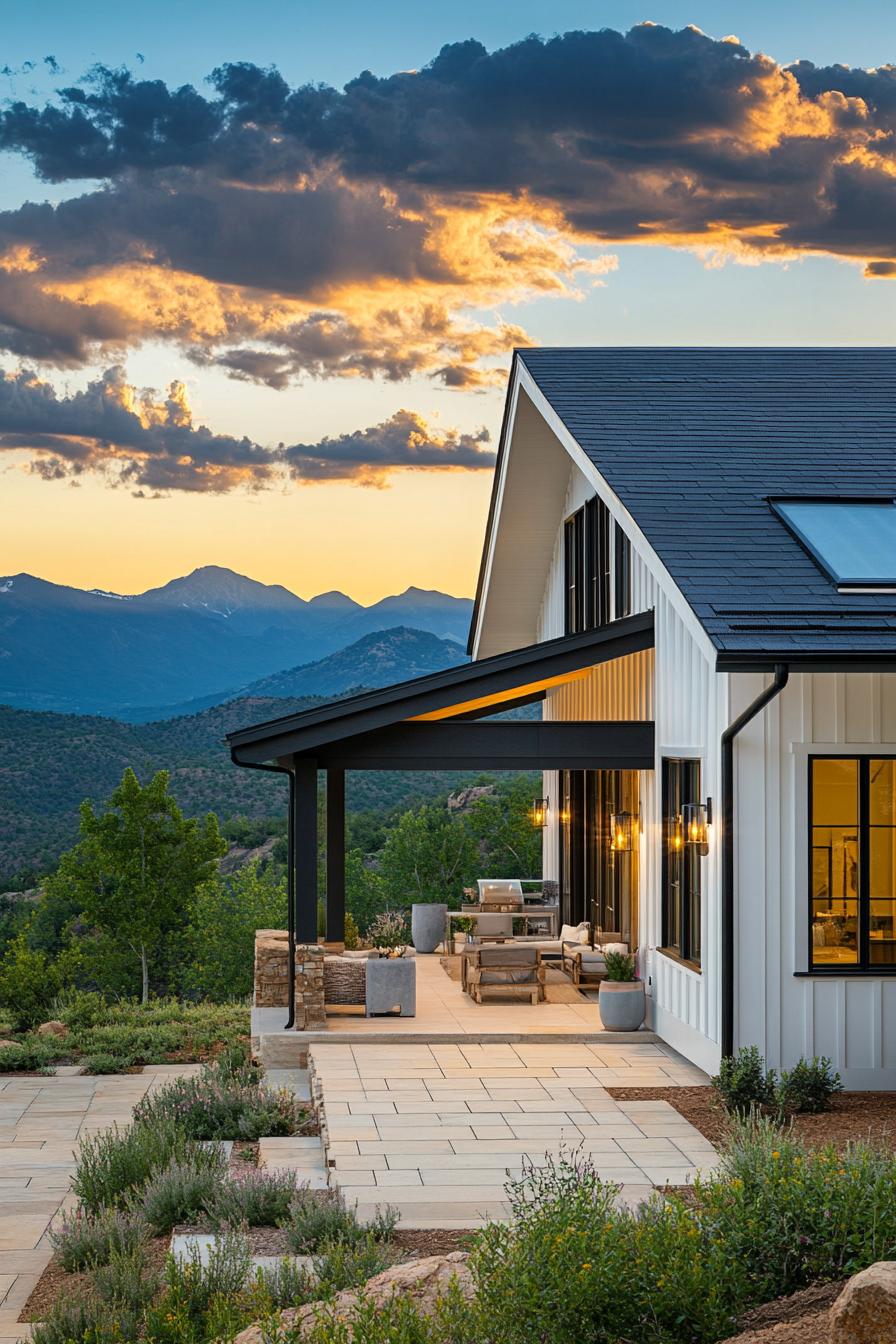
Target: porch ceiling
[466, 690]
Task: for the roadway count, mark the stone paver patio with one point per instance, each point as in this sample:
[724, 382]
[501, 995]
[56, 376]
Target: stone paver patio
[41, 1122]
[434, 1129]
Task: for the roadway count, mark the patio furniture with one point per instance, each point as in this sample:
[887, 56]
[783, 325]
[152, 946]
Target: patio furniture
[586, 965]
[427, 926]
[391, 984]
[345, 980]
[506, 970]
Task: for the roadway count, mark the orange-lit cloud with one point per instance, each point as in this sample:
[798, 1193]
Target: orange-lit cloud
[388, 229]
[150, 444]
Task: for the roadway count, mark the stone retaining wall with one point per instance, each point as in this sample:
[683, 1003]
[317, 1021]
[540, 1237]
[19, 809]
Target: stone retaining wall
[272, 977]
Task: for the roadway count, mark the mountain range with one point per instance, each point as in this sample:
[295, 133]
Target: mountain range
[53, 761]
[200, 639]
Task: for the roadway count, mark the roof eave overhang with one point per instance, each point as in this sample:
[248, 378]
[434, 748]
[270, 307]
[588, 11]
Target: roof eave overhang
[302, 733]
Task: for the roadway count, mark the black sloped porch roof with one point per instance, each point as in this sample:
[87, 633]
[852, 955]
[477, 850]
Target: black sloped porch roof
[401, 726]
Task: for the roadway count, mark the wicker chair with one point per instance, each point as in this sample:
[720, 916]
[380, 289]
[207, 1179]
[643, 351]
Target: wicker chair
[345, 980]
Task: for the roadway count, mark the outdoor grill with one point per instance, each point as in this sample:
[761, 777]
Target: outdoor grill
[500, 895]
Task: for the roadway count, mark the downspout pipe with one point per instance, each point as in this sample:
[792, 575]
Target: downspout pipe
[290, 875]
[782, 673]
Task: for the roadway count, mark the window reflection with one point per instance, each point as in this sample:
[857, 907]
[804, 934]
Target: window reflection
[835, 862]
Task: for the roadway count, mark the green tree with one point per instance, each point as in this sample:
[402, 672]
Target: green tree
[365, 891]
[138, 866]
[226, 914]
[29, 981]
[501, 823]
[429, 856]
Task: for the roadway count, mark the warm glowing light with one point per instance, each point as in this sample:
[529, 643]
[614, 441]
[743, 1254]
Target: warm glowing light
[696, 820]
[622, 832]
[539, 811]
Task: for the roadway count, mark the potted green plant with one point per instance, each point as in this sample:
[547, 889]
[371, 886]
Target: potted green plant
[463, 927]
[621, 998]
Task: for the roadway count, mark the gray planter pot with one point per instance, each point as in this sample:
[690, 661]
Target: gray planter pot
[391, 983]
[622, 1005]
[427, 926]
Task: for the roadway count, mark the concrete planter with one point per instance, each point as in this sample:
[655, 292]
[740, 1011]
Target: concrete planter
[391, 983]
[622, 1004]
[427, 926]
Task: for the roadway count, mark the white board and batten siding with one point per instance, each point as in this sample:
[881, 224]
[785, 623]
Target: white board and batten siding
[851, 1019]
[677, 686]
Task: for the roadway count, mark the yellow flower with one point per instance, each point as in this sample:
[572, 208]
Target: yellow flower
[776, 1154]
[587, 1264]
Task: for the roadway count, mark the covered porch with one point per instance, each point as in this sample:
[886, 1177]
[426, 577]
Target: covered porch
[440, 722]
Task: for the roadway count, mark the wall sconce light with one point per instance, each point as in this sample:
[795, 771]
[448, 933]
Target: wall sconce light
[565, 815]
[696, 820]
[540, 811]
[622, 832]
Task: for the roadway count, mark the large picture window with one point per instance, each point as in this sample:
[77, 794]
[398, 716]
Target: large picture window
[589, 542]
[852, 862]
[681, 875]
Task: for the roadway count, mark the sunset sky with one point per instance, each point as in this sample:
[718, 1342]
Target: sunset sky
[257, 305]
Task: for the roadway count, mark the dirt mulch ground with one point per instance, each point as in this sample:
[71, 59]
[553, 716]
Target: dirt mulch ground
[852, 1117]
[802, 1318]
[55, 1281]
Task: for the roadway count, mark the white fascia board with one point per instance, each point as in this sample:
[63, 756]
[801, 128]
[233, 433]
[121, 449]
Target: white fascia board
[617, 509]
[491, 539]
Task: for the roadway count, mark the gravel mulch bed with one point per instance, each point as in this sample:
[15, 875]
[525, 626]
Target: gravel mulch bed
[700, 1105]
[802, 1318]
[55, 1281]
[851, 1118]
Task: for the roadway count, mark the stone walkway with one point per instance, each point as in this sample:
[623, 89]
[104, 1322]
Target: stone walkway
[41, 1122]
[434, 1130]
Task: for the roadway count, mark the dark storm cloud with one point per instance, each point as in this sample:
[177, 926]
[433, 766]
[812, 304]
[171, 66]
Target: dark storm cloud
[369, 455]
[287, 231]
[150, 443]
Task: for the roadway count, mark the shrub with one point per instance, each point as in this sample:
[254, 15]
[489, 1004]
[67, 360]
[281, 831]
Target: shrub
[107, 1063]
[620, 966]
[807, 1087]
[180, 1193]
[81, 1008]
[223, 1103]
[32, 1055]
[84, 1241]
[29, 981]
[347, 1264]
[742, 1081]
[126, 1281]
[316, 1221]
[201, 1302]
[254, 1199]
[114, 1165]
[351, 935]
[86, 1320]
[287, 1284]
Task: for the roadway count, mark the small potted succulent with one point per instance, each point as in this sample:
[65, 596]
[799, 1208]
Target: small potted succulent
[621, 998]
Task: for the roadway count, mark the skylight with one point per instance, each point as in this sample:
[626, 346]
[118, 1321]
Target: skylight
[852, 540]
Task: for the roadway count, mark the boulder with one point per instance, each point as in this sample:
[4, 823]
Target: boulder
[419, 1281]
[5, 1044]
[52, 1028]
[865, 1312]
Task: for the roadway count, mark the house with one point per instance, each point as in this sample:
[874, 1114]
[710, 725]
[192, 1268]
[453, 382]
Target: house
[690, 560]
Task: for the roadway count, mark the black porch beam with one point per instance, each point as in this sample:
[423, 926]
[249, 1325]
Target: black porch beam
[507, 745]
[335, 856]
[305, 916]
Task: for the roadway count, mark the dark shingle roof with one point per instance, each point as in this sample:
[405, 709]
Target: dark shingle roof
[693, 441]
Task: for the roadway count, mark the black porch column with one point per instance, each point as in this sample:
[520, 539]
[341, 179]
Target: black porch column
[306, 851]
[335, 856]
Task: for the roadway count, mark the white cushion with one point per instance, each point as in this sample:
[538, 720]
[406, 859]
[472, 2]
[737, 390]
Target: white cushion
[615, 947]
[574, 933]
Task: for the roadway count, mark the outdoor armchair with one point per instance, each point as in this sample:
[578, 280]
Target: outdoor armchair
[506, 970]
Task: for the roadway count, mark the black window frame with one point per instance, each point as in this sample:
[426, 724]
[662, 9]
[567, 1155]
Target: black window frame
[682, 934]
[863, 966]
[623, 573]
[587, 571]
